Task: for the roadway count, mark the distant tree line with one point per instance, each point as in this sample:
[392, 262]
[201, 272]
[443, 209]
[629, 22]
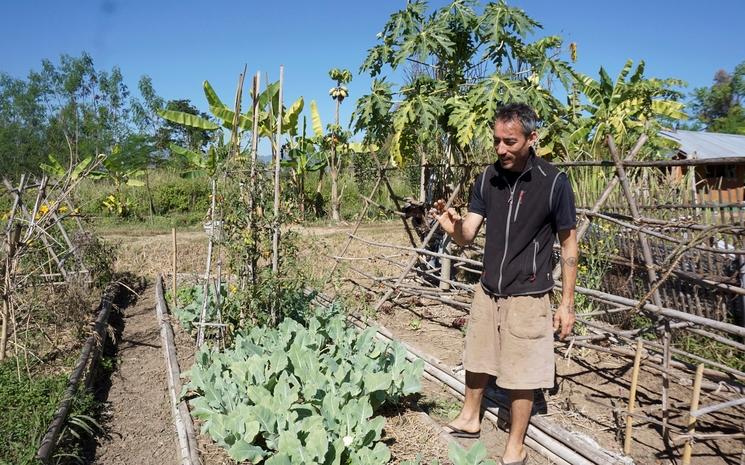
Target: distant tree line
[70, 110]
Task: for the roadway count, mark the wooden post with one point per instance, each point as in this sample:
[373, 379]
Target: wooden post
[688, 449]
[632, 397]
[175, 270]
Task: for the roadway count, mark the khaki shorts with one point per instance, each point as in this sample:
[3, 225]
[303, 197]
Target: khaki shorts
[512, 339]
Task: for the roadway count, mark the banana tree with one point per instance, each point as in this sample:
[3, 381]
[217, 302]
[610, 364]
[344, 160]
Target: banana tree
[337, 136]
[622, 108]
[303, 158]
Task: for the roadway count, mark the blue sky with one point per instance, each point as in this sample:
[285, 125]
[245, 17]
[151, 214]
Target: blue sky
[181, 43]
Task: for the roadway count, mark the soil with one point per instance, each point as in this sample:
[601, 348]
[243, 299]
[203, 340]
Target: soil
[137, 411]
[592, 387]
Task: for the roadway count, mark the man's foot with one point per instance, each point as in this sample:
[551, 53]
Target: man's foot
[459, 433]
[522, 461]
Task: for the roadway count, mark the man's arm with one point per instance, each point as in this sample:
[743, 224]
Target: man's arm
[564, 318]
[462, 230]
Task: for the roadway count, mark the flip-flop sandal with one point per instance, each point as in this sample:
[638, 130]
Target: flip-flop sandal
[459, 433]
[519, 462]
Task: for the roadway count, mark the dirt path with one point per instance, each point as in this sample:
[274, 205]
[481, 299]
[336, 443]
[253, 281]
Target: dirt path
[138, 412]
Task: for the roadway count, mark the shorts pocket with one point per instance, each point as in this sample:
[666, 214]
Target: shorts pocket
[528, 317]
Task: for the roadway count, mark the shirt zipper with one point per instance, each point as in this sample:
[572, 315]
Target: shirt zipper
[519, 202]
[535, 253]
[507, 228]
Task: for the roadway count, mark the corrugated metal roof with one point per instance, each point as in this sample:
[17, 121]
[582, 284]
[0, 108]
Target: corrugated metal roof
[702, 145]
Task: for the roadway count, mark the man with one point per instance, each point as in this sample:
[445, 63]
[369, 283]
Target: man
[527, 202]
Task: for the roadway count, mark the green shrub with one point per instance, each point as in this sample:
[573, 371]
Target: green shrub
[28, 406]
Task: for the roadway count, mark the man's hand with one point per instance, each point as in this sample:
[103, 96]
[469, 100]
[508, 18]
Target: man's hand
[462, 230]
[447, 218]
[564, 320]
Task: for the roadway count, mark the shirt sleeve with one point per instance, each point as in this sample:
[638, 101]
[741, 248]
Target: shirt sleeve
[477, 204]
[563, 210]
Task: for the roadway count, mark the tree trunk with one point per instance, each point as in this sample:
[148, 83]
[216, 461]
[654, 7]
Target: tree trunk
[151, 205]
[318, 198]
[334, 188]
[301, 194]
[422, 175]
[335, 165]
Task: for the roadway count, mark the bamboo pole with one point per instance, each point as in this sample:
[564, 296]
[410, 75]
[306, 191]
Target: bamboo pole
[49, 441]
[667, 312]
[632, 398]
[415, 258]
[175, 269]
[718, 407]
[356, 226]
[8, 277]
[277, 160]
[394, 197]
[206, 293]
[650, 232]
[253, 173]
[688, 449]
[277, 147]
[182, 419]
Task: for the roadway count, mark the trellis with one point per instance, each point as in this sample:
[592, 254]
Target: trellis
[685, 288]
[39, 221]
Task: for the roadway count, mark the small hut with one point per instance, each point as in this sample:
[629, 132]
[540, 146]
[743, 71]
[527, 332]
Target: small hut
[716, 182]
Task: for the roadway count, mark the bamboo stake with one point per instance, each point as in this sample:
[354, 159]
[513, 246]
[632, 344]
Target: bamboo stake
[277, 158]
[175, 269]
[277, 147]
[206, 293]
[688, 449]
[632, 398]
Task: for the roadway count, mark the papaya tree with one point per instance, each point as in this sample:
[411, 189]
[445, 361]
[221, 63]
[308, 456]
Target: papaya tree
[462, 66]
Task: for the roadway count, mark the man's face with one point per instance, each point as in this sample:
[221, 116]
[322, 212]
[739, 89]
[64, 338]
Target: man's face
[511, 145]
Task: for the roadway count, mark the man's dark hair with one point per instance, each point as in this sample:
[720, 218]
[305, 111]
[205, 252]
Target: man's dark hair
[518, 112]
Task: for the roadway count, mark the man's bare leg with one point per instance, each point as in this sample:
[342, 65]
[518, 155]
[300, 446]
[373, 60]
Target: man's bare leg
[469, 418]
[521, 406]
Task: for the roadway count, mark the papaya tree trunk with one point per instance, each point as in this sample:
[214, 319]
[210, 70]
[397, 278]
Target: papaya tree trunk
[422, 175]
